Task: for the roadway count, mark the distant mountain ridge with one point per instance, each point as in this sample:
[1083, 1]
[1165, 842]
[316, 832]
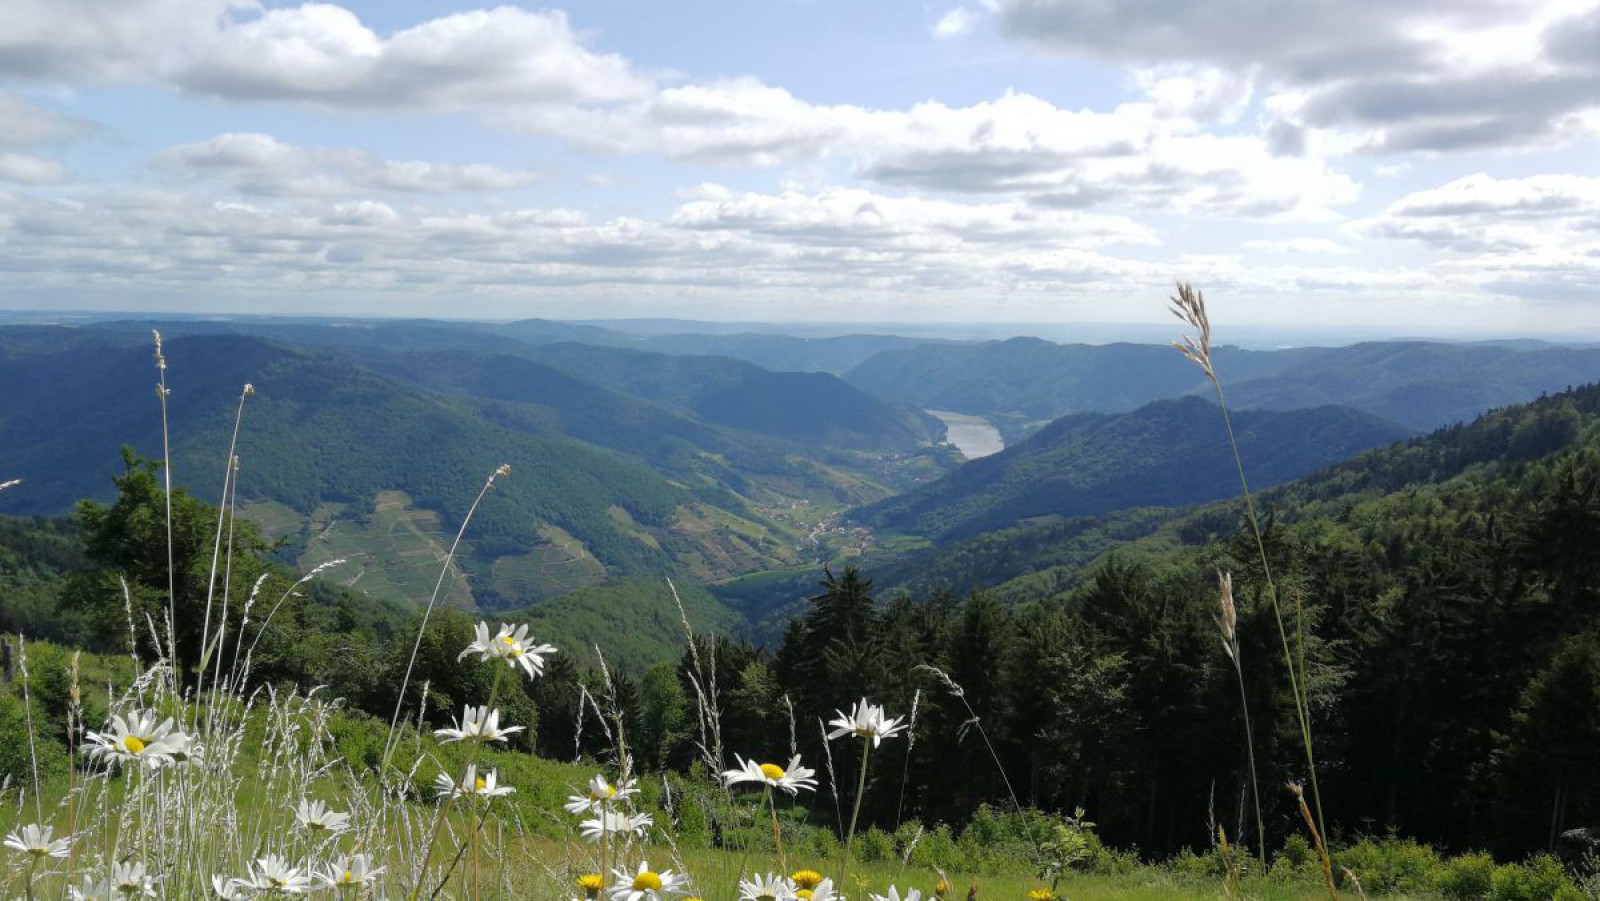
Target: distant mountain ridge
[1421, 385]
[1171, 453]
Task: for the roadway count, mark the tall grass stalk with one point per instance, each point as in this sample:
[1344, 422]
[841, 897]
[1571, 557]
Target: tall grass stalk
[229, 473]
[163, 393]
[433, 600]
[1227, 617]
[1190, 307]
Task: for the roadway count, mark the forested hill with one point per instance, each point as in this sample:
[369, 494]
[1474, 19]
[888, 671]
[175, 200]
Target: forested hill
[813, 407]
[1169, 453]
[1420, 385]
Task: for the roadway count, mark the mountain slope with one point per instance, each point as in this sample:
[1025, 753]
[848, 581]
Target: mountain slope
[1418, 384]
[815, 408]
[326, 438]
[1169, 453]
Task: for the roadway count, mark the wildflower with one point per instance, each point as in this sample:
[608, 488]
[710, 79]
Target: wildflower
[139, 739]
[646, 884]
[317, 817]
[130, 880]
[894, 895]
[508, 645]
[1227, 615]
[771, 887]
[273, 874]
[591, 884]
[941, 888]
[1041, 894]
[484, 786]
[349, 872]
[822, 892]
[35, 840]
[226, 889]
[866, 721]
[791, 780]
[601, 793]
[806, 878]
[477, 724]
[612, 823]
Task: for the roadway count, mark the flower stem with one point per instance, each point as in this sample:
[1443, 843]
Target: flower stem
[855, 814]
[777, 834]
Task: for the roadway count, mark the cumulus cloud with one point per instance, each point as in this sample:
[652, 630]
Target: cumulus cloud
[955, 23]
[1536, 237]
[1436, 75]
[314, 53]
[23, 124]
[260, 164]
[30, 170]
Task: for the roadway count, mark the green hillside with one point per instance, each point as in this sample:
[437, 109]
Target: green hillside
[1169, 453]
[1420, 385]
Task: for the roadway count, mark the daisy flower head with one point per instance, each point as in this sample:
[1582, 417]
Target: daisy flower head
[646, 884]
[274, 874]
[866, 721]
[319, 818]
[822, 892]
[486, 785]
[129, 880]
[477, 724]
[36, 841]
[601, 793]
[791, 778]
[140, 739]
[613, 823]
[510, 645]
[349, 872]
[894, 895]
[770, 887]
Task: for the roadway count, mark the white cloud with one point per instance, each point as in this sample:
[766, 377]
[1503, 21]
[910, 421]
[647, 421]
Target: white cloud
[260, 164]
[24, 125]
[1436, 75]
[1297, 246]
[30, 170]
[955, 23]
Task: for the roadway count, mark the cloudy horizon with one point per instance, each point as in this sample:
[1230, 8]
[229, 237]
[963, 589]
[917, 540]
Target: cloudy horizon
[1352, 164]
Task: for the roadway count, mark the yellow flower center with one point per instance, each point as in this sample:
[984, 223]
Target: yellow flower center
[481, 784]
[647, 880]
[134, 744]
[348, 877]
[508, 639]
[772, 771]
[611, 791]
[803, 894]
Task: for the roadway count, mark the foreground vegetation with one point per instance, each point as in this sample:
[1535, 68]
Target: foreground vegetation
[1416, 629]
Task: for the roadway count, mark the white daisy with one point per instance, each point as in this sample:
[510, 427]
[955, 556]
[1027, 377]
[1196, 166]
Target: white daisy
[866, 721]
[317, 817]
[894, 895]
[600, 794]
[824, 892]
[229, 889]
[130, 880]
[484, 786]
[790, 779]
[646, 884]
[91, 890]
[510, 645]
[771, 887]
[349, 872]
[614, 823]
[139, 739]
[35, 840]
[273, 874]
[477, 724]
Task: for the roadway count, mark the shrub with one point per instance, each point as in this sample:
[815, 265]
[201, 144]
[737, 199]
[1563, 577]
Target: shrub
[874, 845]
[1391, 865]
[1465, 878]
[1539, 879]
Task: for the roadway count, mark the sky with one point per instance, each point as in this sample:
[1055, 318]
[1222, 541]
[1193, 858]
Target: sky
[1430, 167]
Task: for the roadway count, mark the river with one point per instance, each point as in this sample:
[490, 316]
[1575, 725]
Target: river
[972, 435]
